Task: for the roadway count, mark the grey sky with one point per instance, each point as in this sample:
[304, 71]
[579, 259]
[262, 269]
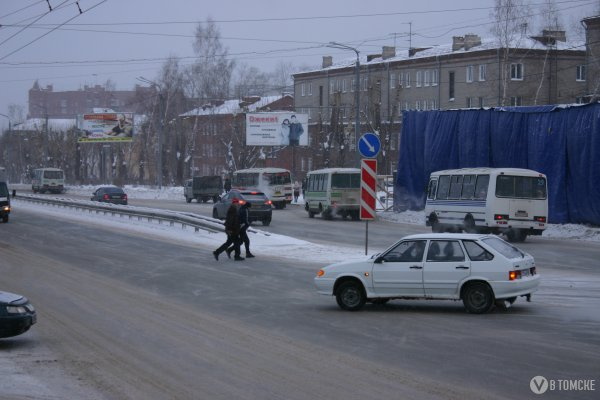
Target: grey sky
[259, 33]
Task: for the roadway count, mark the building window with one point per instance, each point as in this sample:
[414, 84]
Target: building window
[321, 96]
[365, 84]
[433, 105]
[345, 85]
[481, 102]
[426, 77]
[393, 81]
[470, 69]
[407, 76]
[434, 77]
[451, 86]
[310, 89]
[470, 102]
[581, 73]
[516, 72]
[331, 86]
[302, 90]
[406, 106]
[482, 72]
[418, 105]
[419, 79]
[516, 101]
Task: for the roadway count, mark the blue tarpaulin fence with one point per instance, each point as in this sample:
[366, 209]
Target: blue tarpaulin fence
[562, 142]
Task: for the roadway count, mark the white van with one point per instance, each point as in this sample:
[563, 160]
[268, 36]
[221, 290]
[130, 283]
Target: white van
[512, 201]
[48, 180]
[332, 191]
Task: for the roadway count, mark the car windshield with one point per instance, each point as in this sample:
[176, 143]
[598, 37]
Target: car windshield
[53, 174]
[504, 248]
[3, 190]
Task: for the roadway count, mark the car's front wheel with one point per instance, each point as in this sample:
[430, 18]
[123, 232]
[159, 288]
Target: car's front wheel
[350, 296]
[478, 298]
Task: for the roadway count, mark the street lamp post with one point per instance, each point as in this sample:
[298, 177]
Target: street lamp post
[337, 45]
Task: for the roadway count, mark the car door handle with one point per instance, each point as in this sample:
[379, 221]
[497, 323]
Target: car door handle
[462, 267]
[416, 267]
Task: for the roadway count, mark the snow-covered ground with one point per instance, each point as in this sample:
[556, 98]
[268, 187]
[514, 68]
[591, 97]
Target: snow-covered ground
[263, 242]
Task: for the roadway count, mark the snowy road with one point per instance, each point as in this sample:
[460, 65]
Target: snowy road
[144, 312]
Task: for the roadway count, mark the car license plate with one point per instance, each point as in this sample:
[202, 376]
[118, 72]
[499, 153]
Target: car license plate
[521, 214]
[116, 197]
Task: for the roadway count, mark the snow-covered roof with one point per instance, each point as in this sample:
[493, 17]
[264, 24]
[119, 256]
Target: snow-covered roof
[39, 124]
[525, 43]
[232, 107]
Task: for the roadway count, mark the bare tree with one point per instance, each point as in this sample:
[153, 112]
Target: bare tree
[510, 28]
[250, 81]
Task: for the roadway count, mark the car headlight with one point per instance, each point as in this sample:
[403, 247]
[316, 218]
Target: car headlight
[6, 208]
[16, 309]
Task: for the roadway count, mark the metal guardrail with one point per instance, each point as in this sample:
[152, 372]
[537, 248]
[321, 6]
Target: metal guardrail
[172, 217]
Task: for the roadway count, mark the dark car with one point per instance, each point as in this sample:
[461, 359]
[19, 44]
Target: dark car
[4, 202]
[110, 194]
[16, 314]
[261, 209]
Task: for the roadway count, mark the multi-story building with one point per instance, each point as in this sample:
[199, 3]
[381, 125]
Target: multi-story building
[218, 133]
[469, 73]
[46, 103]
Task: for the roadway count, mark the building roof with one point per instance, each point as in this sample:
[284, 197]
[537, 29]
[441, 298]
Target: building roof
[526, 43]
[233, 107]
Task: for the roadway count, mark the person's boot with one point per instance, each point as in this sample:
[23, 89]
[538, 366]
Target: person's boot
[249, 255]
[238, 258]
[228, 251]
[216, 255]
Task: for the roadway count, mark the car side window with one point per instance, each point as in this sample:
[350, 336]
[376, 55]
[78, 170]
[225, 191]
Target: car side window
[408, 251]
[476, 252]
[445, 251]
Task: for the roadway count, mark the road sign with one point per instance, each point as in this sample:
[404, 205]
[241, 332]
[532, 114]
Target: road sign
[368, 182]
[369, 145]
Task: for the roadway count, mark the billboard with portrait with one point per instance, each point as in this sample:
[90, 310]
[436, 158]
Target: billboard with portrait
[276, 129]
[105, 127]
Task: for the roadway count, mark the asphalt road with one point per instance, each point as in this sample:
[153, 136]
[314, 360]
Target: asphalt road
[131, 317]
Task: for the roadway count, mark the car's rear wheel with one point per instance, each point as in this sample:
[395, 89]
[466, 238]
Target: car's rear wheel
[215, 214]
[188, 199]
[350, 296]
[478, 298]
[266, 221]
[516, 235]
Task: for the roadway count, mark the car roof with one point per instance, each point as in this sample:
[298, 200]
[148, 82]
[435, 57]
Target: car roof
[110, 187]
[468, 236]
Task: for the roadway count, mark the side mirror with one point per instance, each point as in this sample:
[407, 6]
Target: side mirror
[379, 260]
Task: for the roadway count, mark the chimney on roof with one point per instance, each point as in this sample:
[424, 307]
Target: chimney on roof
[327, 61]
[458, 42]
[388, 52]
[472, 40]
[372, 56]
[550, 37]
[414, 50]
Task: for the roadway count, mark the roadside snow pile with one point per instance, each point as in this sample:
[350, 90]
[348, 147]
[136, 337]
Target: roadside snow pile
[406, 217]
[133, 192]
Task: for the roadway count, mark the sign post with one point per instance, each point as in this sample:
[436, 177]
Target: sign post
[368, 146]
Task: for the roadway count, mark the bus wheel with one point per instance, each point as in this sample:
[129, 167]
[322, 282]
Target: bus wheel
[355, 215]
[327, 214]
[311, 214]
[469, 225]
[516, 235]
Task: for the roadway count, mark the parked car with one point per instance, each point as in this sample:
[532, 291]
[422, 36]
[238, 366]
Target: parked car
[4, 202]
[480, 270]
[17, 314]
[110, 194]
[261, 209]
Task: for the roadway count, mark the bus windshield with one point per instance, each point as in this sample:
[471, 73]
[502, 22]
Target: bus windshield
[278, 178]
[345, 181]
[245, 180]
[53, 174]
[522, 187]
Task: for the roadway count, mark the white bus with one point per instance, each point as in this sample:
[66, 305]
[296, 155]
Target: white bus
[332, 191]
[488, 200]
[276, 183]
[48, 180]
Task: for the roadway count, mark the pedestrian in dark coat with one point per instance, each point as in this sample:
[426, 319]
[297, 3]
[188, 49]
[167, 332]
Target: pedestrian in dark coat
[244, 215]
[227, 185]
[232, 229]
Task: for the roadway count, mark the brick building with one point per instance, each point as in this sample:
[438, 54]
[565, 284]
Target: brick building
[219, 133]
[469, 73]
[45, 102]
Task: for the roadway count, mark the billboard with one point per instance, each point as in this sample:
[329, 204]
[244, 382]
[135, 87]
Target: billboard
[105, 127]
[276, 129]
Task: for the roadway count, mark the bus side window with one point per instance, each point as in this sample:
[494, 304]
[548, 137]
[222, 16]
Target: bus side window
[443, 187]
[481, 188]
[432, 189]
[468, 188]
[456, 186]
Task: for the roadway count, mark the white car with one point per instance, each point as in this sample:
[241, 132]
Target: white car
[480, 270]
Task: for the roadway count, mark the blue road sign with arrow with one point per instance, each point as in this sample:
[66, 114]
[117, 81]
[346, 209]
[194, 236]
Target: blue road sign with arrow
[369, 145]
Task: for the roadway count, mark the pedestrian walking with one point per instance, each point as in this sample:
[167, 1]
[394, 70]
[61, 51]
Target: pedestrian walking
[232, 229]
[296, 191]
[244, 216]
[227, 185]
[304, 183]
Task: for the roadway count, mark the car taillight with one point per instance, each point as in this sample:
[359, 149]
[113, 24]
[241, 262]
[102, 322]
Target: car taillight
[241, 202]
[539, 219]
[268, 202]
[512, 275]
[105, 197]
[499, 217]
[124, 197]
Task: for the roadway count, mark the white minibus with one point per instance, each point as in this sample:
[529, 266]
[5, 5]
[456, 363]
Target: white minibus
[276, 183]
[511, 201]
[48, 179]
[332, 191]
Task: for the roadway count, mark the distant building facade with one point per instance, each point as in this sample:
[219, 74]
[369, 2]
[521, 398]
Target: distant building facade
[469, 73]
[46, 103]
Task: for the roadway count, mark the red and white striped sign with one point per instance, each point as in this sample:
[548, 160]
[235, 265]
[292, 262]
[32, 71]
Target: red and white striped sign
[368, 183]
